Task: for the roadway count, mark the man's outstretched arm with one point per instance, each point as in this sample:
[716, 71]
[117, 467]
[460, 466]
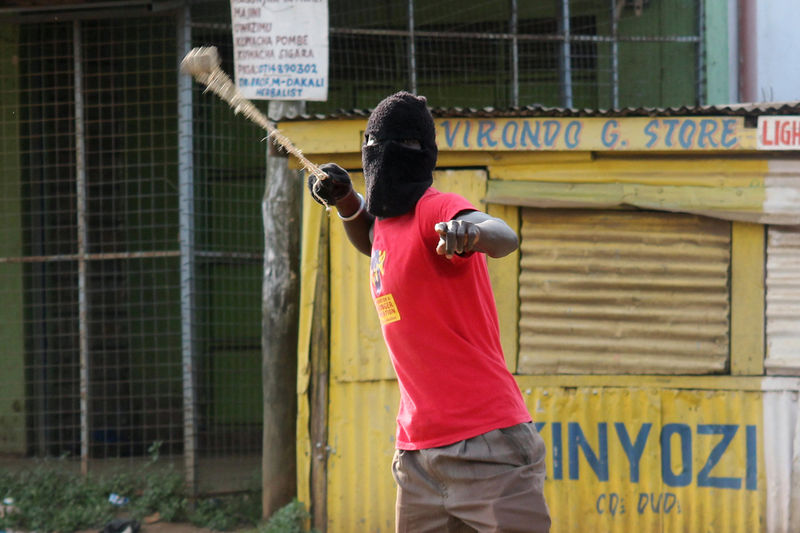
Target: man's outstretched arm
[338, 191]
[475, 231]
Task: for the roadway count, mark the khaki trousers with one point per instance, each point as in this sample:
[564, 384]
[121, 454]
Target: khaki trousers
[489, 483]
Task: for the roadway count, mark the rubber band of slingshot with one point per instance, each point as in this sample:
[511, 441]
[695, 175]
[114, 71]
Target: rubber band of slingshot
[358, 211]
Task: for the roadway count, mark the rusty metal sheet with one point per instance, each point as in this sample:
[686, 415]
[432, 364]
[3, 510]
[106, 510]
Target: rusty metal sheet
[783, 300]
[623, 292]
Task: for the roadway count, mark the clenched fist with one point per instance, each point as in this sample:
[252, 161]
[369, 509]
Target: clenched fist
[336, 187]
[456, 237]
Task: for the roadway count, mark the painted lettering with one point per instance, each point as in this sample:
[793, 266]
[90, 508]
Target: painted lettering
[609, 135]
[572, 134]
[633, 451]
[705, 138]
[751, 470]
[790, 133]
[779, 132]
[671, 124]
[650, 129]
[690, 133]
[528, 134]
[594, 134]
[686, 135]
[683, 478]
[676, 442]
[577, 440]
[509, 135]
[551, 129]
[558, 452]
[765, 137]
[450, 135]
[704, 478]
[728, 137]
[612, 504]
[485, 129]
[662, 503]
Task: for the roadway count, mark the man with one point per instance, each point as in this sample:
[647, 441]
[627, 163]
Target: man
[468, 456]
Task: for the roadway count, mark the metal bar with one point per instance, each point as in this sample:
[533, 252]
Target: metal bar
[75, 7]
[514, 55]
[412, 50]
[80, 183]
[544, 37]
[614, 56]
[128, 255]
[566, 60]
[88, 257]
[212, 26]
[237, 256]
[187, 258]
[700, 88]
[39, 307]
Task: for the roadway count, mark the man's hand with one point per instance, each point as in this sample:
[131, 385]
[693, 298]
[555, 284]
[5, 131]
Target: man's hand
[475, 231]
[333, 189]
[456, 236]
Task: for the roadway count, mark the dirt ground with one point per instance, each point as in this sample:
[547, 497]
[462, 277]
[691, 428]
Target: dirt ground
[164, 527]
[169, 527]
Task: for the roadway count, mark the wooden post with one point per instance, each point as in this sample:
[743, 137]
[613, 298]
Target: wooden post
[280, 311]
[320, 356]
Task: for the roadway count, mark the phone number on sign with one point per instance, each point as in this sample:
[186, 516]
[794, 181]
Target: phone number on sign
[279, 68]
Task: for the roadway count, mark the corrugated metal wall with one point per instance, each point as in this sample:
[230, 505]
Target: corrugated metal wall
[361, 491]
[782, 431]
[651, 460]
[623, 291]
[619, 459]
[783, 300]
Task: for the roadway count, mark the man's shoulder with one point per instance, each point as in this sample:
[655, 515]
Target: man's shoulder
[436, 197]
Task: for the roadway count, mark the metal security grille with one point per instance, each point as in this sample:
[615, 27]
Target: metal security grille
[503, 53]
[130, 263]
[130, 203]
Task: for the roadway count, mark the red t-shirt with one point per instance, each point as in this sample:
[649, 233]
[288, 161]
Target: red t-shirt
[440, 324]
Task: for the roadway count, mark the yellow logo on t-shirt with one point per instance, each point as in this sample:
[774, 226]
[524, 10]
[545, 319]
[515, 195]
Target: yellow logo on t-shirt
[387, 309]
[385, 304]
[376, 263]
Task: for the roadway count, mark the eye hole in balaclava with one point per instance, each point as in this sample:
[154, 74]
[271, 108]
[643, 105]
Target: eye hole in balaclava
[399, 154]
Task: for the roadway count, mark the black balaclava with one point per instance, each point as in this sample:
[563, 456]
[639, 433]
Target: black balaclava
[397, 174]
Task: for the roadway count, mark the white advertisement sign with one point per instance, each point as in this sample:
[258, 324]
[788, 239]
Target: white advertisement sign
[280, 49]
[779, 132]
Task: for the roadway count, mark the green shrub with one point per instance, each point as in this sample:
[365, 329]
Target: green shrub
[290, 518]
[52, 497]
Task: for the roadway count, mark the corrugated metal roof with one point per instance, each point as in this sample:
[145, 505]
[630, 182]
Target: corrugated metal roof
[535, 110]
